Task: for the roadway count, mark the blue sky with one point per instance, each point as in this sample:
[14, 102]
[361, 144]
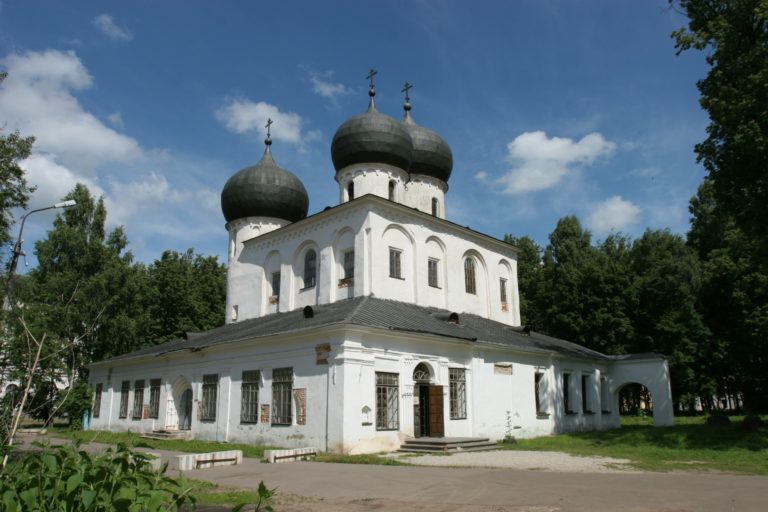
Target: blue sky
[551, 108]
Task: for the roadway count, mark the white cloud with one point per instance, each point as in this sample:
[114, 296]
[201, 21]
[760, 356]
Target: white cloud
[481, 176]
[109, 28]
[540, 162]
[322, 85]
[37, 99]
[645, 172]
[53, 181]
[613, 214]
[243, 115]
[116, 120]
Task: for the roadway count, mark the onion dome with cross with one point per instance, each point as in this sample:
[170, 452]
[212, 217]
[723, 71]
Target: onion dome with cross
[264, 190]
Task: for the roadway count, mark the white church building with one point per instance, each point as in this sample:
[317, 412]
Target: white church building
[366, 324]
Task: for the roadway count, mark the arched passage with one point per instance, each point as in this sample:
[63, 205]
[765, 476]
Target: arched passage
[635, 400]
[651, 372]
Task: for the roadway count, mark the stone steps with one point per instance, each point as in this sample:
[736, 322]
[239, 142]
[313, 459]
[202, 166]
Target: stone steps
[167, 434]
[447, 445]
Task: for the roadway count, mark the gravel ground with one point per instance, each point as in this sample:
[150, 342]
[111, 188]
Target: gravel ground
[529, 460]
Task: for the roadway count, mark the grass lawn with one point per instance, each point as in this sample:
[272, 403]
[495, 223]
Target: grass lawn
[179, 445]
[690, 445]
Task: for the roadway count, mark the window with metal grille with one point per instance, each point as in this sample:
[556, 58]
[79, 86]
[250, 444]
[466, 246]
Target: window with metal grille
[282, 387]
[210, 392]
[458, 393]
[432, 273]
[249, 399]
[469, 276]
[154, 398]
[276, 284]
[395, 269]
[310, 268]
[503, 290]
[386, 401]
[97, 400]
[537, 379]
[349, 264]
[567, 393]
[124, 390]
[138, 399]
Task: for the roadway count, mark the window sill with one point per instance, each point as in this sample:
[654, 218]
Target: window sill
[281, 424]
[387, 429]
[605, 412]
[460, 418]
[571, 413]
[367, 424]
[397, 277]
[346, 282]
[253, 422]
[207, 420]
[542, 415]
[589, 412]
[136, 418]
[307, 288]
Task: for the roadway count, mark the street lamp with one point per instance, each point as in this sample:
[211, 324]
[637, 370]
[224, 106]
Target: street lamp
[17, 248]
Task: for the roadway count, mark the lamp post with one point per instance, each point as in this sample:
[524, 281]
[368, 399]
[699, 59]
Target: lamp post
[17, 249]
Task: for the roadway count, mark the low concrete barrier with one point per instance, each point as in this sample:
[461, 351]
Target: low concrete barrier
[206, 460]
[288, 455]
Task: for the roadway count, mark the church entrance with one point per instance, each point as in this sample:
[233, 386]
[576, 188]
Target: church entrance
[185, 410]
[178, 415]
[427, 404]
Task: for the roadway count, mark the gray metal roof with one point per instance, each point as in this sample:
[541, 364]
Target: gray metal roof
[432, 156]
[377, 313]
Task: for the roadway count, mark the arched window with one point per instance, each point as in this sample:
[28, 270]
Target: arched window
[351, 190]
[434, 206]
[391, 190]
[469, 276]
[310, 268]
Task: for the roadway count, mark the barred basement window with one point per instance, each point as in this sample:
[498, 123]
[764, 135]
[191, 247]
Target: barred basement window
[249, 399]
[386, 401]
[469, 276]
[432, 272]
[395, 269]
[210, 392]
[154, 398]
[138, 399]
[97, 400]
[310, 268]
[282, 388]
[458, 392]
[124, 390]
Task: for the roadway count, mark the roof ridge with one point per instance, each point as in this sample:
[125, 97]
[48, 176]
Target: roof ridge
[351, 315]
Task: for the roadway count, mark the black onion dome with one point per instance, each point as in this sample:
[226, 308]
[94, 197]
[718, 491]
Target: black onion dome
[432, 156]
[264, 190]
[371, 137]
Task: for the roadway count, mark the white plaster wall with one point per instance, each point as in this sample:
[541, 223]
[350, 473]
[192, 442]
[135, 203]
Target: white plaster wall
[373, 178]
[653, 373]
[420, 190]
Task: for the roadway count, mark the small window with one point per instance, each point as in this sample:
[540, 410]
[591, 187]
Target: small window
[435, 206]
[432, 272]
[282, 387]
[234, 313]
[503, 290]
[97, 400]
[275, 284]
[567, 393]
[154, 398]
[387, 416]
[351, 191]
[458, 393]
[349, 264]
[538, 377]
[605, 396]
[391, 194]
[585, 394]
[310, 268]
[210, 392]
[124, 390]
[395, 268]
[249, 398]
[469, 276]
[138, 399]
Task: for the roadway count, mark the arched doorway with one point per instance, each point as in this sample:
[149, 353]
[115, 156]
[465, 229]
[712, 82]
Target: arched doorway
[427, 403]
[178, 414]
[635, 400]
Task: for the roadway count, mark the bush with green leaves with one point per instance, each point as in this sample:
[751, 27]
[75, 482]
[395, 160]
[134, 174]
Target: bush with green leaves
[67, 479]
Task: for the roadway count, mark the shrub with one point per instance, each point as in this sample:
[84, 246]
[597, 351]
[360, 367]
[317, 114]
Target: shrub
[752, 423]
[67, 479]
[718, 419]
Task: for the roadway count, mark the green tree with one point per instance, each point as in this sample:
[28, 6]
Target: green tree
[735, 95]
[528, 278]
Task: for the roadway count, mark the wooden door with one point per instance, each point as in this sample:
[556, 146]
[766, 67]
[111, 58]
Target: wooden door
[436, 428]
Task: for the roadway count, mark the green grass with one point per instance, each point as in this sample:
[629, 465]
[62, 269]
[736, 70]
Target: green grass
[371, 458]
[689, 445]
[179, 445]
